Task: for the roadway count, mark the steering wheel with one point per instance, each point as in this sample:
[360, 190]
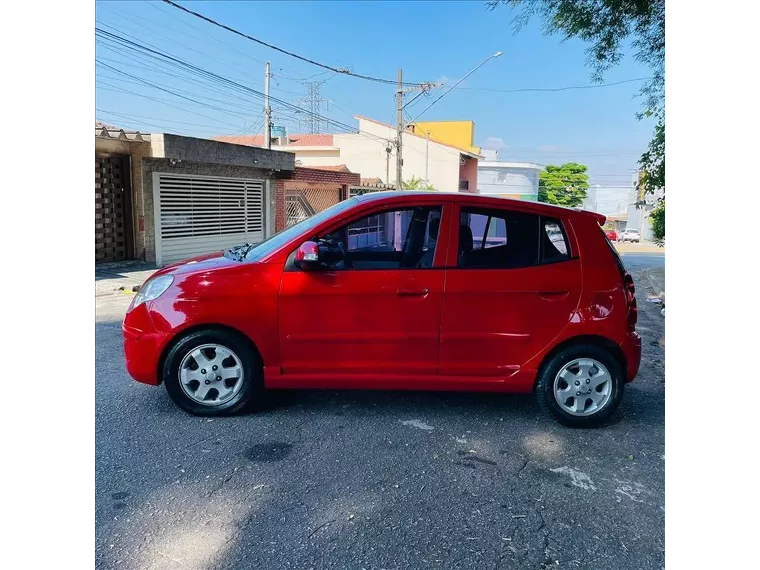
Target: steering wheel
[343, 257]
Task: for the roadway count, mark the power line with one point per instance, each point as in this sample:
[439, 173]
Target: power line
[442, 95]
[127, 116]
[147, 29]
[153, 5]
[109, 46]
[553, 89]
[300, 79]
[233, 105]
[163, 102]
[134, 124]
[342, 71]
[135, 46]
[161, 88]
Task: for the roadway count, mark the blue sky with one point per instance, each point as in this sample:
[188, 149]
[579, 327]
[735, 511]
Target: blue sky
[437, 41]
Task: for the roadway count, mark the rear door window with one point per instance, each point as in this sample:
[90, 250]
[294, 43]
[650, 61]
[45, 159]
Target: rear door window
[497, 239]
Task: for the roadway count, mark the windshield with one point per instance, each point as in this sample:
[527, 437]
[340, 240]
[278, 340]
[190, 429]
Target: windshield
[264, 248]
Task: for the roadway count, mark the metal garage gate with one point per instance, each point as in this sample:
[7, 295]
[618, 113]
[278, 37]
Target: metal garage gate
[111, 210]
[195, 215]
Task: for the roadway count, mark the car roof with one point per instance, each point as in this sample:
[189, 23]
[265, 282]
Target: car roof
[396, 196]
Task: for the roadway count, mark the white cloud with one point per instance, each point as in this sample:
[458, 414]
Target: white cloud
[494, 143]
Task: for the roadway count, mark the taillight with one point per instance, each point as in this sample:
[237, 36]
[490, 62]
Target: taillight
[633, 307]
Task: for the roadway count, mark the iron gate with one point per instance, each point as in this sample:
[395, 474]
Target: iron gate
[112, 212]
[304, 200]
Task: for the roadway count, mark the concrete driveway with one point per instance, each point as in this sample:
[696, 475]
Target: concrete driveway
[376, 480]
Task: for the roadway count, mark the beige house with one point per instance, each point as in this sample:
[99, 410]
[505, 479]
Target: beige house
[371, 151]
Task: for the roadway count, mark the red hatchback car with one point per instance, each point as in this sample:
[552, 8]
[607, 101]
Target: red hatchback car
[611, 235]
[398, 290]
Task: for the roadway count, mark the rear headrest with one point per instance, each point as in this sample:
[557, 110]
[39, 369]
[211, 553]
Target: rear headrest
[433, 228]
[465, 238]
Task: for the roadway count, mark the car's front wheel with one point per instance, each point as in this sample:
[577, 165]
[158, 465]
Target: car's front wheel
[213, 373]
[580, 386]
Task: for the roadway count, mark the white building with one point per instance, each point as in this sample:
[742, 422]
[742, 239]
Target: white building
[517, 180]
[371, 153]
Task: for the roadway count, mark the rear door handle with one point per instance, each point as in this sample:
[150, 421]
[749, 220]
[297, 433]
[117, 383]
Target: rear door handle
[412, 292]
[553, 295]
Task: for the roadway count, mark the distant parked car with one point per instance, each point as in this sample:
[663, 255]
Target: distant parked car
[630, 235]
[611, 235]
[534, 300]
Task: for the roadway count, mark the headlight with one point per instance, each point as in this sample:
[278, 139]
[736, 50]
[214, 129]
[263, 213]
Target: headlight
[152, 289]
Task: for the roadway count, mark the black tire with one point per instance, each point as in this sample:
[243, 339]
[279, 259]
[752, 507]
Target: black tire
[549, 371]
[251, 394]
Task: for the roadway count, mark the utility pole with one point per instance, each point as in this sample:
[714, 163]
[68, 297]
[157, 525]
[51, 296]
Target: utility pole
[267, 110]
[399, 131]
[427, 155]
[423, 88]
[388, 149]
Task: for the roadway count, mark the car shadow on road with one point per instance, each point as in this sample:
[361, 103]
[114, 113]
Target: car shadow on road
[518, 408]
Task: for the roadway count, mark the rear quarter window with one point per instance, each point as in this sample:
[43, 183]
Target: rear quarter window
[554, 243]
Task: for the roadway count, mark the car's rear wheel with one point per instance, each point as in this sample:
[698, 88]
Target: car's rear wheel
[581, 385]
[213, 373]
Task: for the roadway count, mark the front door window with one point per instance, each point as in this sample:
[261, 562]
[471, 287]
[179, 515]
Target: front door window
[392, 239]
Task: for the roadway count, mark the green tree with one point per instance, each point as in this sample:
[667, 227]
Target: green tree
[416, 184]
[563, 185]
[652, 162]
[608, 26]
[657, 220]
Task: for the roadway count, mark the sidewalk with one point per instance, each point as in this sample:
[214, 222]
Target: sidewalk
[642, 247]
[655, 279]
[126, 277]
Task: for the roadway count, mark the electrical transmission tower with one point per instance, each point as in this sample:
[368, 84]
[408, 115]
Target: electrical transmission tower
[313, 102]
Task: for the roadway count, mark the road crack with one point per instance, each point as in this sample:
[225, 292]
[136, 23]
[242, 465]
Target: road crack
[222, 484]
[320, 527]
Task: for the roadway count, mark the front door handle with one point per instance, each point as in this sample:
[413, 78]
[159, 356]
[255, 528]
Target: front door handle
[412, 292]
[553, 295]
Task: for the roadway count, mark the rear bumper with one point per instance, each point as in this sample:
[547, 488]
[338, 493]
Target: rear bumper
[631, 347]
[142, 351]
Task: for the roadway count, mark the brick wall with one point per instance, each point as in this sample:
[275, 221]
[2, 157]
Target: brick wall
[313, 175]
[136, 151]
[138, 201]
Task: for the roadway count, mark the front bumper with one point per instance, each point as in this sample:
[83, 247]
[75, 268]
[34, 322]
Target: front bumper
[143, 346]
[631, 347]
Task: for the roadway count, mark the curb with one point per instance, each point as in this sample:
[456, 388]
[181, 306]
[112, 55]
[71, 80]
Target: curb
[125, 289]
[634, 248]
[651, 284]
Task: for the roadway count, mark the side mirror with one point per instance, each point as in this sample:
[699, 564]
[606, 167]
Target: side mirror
[307, 255]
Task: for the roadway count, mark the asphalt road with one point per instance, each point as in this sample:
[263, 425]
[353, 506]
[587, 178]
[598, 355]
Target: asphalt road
[377, 480]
